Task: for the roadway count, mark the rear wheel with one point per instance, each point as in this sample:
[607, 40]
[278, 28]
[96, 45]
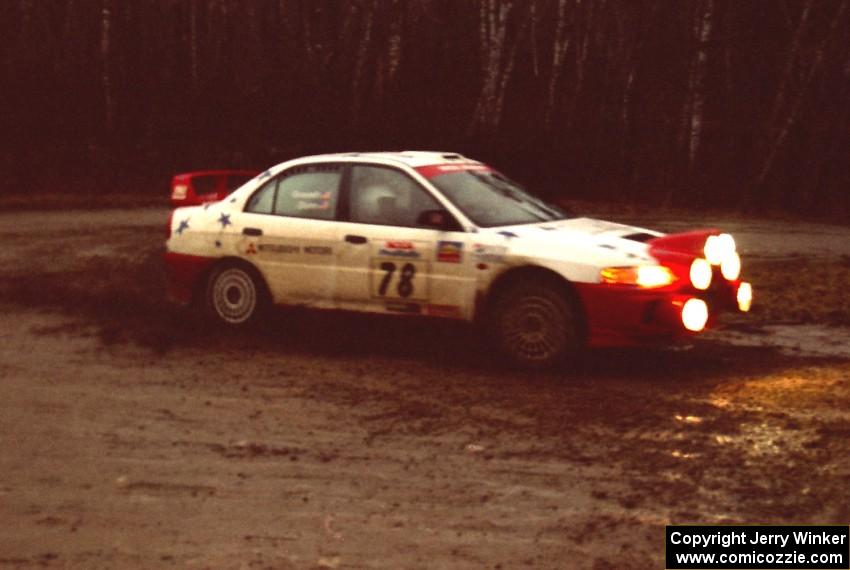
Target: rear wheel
[235, 295]
[535, 325]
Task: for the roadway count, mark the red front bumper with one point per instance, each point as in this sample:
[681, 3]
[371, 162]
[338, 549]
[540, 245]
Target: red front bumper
[619, 316]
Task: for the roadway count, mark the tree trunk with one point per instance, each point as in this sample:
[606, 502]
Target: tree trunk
[497, 62]
[363, 46]
[780, 132]
[193, 43]
[697, 81]
[105, 55]
[560, 45]
[693, 108]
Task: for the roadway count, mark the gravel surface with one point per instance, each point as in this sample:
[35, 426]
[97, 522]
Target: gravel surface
[137, 438]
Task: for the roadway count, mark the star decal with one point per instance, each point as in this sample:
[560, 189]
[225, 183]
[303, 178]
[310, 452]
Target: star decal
[217, 243]
[184, 225]
[224, 220]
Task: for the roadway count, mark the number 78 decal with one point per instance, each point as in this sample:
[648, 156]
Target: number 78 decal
[399, 279]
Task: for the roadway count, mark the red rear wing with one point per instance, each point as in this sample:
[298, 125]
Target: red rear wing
[193, 188]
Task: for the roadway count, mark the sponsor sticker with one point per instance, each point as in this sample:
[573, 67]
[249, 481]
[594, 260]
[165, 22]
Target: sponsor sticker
[449, 251]
[488, 253]
[279, 248]
[405, 249]
[311, 200]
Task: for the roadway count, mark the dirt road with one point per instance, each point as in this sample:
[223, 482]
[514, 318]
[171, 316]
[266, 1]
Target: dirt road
[134, 438]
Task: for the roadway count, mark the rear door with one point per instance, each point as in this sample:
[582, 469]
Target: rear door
[292, 236]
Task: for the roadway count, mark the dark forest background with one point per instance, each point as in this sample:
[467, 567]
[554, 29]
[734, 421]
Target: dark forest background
[713, 103]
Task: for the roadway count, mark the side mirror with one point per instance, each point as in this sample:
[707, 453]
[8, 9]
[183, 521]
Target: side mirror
[437, 219]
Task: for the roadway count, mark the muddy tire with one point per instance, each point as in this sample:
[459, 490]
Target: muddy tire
[235, 296]
[535, 325]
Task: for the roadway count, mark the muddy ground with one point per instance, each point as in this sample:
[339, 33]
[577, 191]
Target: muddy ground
[135, 437]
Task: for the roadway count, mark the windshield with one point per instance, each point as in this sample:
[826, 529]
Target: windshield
[490, 199]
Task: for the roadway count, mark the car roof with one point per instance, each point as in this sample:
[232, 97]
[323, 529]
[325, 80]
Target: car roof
[412, 158]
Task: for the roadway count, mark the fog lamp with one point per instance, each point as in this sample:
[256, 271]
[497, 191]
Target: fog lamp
[694, 314]
[745, 297]
[718, 247]
[701, 274]
[730, 267]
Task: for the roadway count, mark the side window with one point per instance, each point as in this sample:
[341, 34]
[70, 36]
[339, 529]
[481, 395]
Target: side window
[387, 196]
[310, 193]
[262, 201]
[305, 192]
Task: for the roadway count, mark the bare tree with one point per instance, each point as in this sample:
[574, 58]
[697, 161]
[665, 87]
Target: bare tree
[497, 51]
[702, 31]
[803, 71]
[368, 22]
[693, 108]
[105, 56]
[560, 45]
[193, 43]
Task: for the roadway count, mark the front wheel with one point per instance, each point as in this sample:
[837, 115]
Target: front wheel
[535, 325]
[234, 295]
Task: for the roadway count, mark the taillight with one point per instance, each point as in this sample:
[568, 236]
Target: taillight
[168, 227]
[179, 191]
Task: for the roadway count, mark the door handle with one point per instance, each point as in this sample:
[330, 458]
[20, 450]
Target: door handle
[355, 239]
[252, 231]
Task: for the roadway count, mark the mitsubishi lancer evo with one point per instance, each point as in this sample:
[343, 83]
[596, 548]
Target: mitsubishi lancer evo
[432, 234]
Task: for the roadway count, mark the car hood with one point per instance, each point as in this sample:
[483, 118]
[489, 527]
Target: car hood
[584, 240]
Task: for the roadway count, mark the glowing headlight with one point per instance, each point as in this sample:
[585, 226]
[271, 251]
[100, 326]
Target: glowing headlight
[718, 247]
[701, 274]
[745, 297]
[730, 267]
[694, 314]
[654, 276]
[647, 276]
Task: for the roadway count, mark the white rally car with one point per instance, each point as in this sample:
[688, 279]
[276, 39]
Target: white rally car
[439, 235]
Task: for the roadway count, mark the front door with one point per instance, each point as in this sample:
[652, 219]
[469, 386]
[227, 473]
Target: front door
[389, 263]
